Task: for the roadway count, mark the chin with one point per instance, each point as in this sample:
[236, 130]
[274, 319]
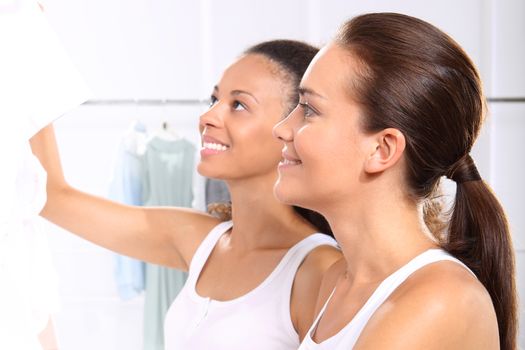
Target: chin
[283, 193]
[207, 170]
[216, 172]
[201, 169]
[294, 195]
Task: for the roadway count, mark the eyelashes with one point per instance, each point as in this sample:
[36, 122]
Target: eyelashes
[308, 111]
[236, 104]
[213, 100]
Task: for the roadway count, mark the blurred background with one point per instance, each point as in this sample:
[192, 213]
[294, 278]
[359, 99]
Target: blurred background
[156, 62]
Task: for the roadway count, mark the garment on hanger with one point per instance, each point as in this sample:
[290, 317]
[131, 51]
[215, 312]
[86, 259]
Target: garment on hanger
[38, 85]
[39, 82]
[126, 187]
[167, 133]
[199, 188]
[168, 168]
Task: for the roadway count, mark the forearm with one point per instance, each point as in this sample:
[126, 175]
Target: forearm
[103, 222]
[166, 236]
[156, 235]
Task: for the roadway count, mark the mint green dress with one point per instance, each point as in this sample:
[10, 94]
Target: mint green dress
[168, 167]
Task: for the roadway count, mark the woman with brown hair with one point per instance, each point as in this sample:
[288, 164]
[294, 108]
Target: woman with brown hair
[254, 279]
[386, 110]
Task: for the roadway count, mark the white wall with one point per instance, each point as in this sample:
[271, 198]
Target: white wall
[138, 49]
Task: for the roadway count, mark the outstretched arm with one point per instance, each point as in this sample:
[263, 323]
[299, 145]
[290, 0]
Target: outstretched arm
[165, 236]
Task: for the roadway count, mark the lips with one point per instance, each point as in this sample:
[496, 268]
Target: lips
[288, 159]
[211, 145]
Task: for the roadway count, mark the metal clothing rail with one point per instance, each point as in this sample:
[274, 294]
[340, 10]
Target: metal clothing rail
[145, 102]
[506, 99]
[189, 102]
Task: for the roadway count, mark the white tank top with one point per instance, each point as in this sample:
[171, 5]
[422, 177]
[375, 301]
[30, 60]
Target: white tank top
[347, 337]
[259, 319]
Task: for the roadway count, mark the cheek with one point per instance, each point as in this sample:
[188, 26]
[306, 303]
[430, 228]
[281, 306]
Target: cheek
[257, 146]
[330, 163]
[319, 151]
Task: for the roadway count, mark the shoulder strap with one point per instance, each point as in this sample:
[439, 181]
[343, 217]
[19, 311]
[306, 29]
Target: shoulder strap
[391, 283]
[295, 258]
[205, 248]
[352, 330]
[300, 251]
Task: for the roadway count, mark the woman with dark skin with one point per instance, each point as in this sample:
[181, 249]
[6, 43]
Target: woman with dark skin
[230, 264]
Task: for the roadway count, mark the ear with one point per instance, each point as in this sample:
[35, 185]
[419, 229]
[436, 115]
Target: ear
[389, 146]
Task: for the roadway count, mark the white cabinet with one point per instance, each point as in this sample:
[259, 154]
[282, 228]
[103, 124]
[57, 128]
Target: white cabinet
[508, 164]
[508, 48]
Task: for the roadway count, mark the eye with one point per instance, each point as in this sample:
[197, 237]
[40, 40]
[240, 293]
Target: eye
[238, 106]
[213, 100]
[307, 110]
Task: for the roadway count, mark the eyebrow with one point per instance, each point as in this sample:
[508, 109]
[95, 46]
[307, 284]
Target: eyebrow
[307, 91]
[237, 92]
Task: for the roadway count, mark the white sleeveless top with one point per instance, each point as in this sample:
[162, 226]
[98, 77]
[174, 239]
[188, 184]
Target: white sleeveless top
[259, 319]
[347, 337]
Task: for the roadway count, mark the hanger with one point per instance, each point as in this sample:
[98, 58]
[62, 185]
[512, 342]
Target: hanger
[166, 133]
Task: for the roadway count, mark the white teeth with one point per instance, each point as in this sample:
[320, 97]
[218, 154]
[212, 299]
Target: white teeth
[214, 146]
[290, 162]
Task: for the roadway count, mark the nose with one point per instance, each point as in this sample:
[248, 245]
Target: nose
[210, 119]
[284, 129]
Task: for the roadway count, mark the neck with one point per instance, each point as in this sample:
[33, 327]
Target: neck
[259, 219]
[377, 235]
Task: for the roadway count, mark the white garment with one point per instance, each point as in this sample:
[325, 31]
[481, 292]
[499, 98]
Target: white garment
[28, 292]
[348, 336]
[259, 319]
[38, 84]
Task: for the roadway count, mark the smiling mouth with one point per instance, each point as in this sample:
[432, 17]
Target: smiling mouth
[214, 146]
[290, 162]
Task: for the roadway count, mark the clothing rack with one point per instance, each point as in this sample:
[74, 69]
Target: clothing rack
[193, 102]
[145, 102]
[506, 99]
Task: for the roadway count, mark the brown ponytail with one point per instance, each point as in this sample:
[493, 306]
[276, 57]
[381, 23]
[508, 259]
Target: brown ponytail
[479, 236]
[415, 78]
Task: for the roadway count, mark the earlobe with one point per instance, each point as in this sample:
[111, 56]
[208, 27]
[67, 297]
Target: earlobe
[389, 146]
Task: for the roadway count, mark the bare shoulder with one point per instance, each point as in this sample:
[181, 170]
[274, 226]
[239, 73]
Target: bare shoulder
[317, 263]
[319, 260]
[329, 281]
[441, 306]
[185, 228]
[306, 285]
